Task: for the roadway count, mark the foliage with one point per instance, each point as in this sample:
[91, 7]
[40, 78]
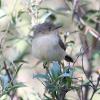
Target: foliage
[17, 18]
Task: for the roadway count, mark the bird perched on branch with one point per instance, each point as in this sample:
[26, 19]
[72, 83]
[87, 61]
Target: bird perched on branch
[47, 44]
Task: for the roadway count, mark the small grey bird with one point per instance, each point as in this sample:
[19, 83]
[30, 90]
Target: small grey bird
[47, 44]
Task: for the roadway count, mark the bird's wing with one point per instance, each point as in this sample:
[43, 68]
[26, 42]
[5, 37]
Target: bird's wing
[62, 45]
[67, 57]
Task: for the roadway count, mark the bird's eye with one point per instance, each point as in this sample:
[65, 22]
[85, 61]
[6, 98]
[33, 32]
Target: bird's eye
[50, 28]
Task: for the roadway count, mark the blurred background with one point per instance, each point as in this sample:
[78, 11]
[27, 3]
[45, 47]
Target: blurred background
[80, 32]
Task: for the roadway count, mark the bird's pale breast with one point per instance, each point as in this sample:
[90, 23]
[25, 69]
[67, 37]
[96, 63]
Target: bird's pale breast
[47, 48]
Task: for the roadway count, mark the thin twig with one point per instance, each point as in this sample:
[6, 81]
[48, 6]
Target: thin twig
[8, 73]
[54, 11]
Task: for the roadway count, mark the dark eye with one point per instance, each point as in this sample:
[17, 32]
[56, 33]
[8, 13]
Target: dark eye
[50, 28]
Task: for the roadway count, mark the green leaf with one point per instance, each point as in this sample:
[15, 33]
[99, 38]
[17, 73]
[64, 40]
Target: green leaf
[16, 73]
[14, 19]
[0, 3]
[78, 69]
[55, 70]
[43, 76]
[96, 55]
[10, 88]
[47, 97]
[20, 12]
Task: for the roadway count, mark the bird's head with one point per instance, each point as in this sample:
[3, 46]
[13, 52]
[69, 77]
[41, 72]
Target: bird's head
[45, 27]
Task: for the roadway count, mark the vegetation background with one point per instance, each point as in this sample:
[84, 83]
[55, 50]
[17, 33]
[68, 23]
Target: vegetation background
[22, 77]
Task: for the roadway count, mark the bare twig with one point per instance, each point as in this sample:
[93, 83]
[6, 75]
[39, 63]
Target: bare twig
[8, 73]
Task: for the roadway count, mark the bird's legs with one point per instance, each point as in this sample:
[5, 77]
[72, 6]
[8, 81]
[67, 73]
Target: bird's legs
[45, 64]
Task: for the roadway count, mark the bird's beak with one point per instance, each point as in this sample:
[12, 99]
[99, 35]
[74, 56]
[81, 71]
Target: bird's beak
[57, 26]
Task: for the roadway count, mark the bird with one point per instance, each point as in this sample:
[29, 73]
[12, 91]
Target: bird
[47, 44]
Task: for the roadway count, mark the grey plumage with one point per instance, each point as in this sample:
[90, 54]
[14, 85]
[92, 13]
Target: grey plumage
[47, 44]
[47, 26]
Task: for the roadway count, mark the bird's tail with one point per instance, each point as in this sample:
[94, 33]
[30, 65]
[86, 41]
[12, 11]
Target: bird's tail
[68, 58]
